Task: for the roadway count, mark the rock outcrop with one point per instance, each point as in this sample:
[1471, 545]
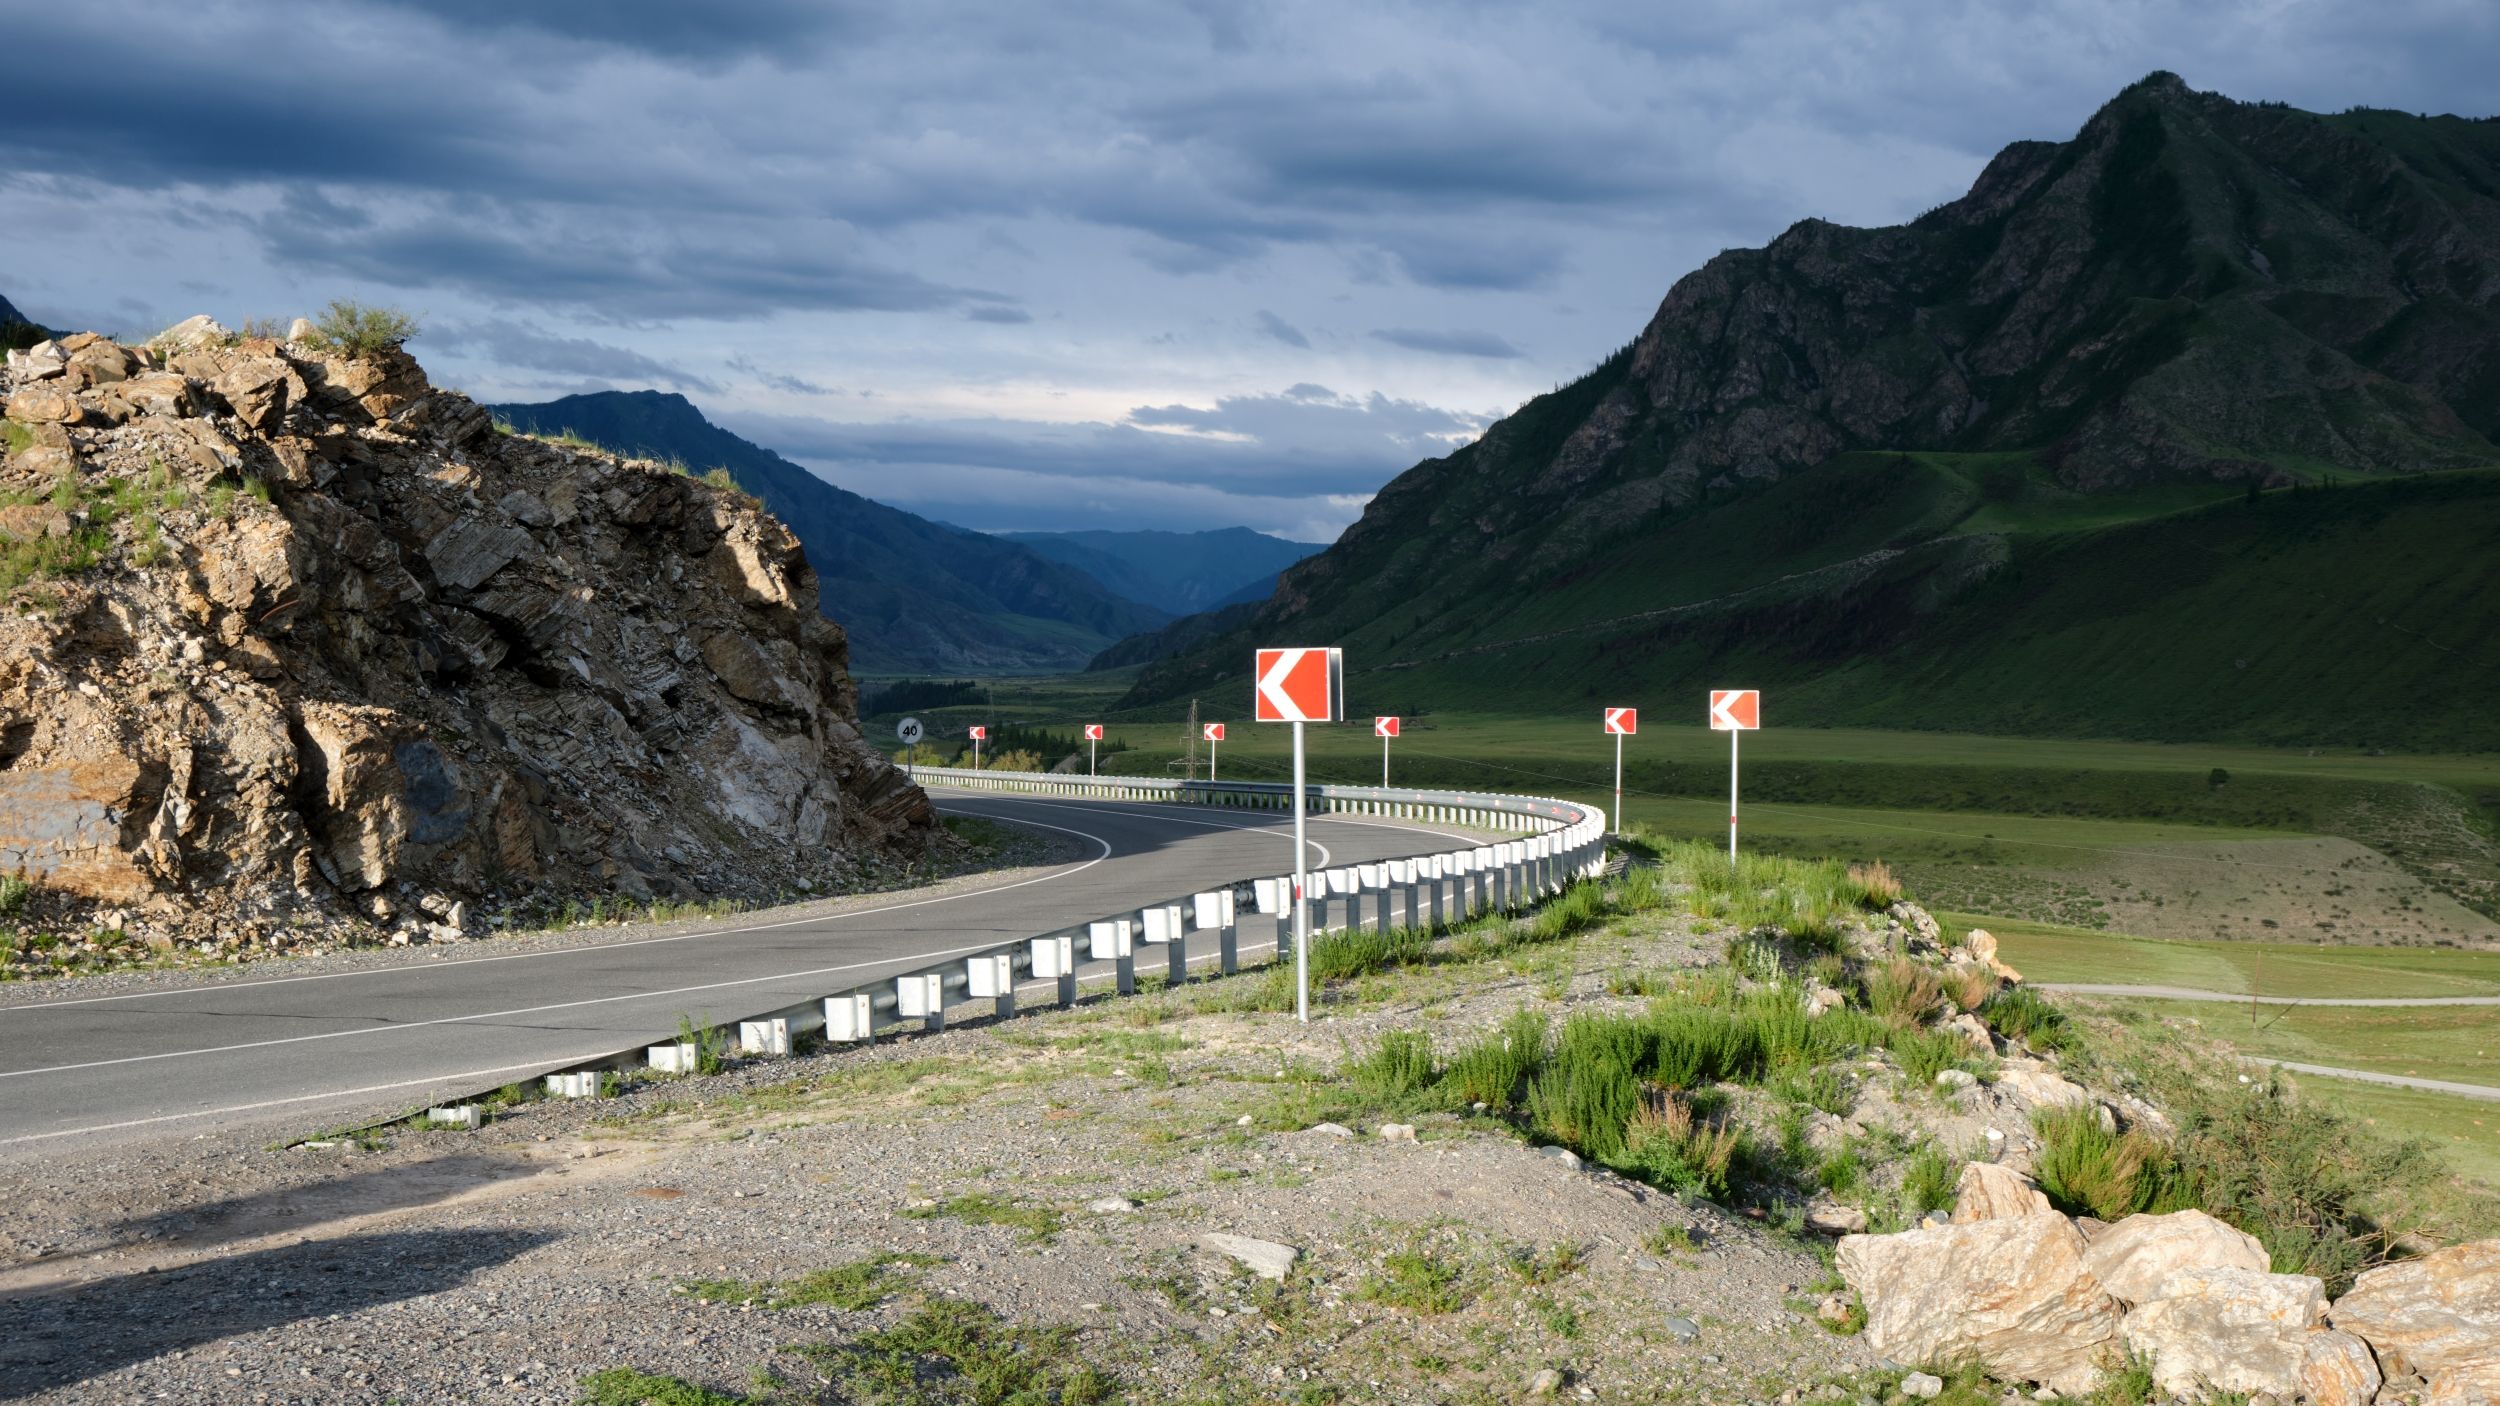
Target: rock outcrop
[2035, 1296]
[292, 638]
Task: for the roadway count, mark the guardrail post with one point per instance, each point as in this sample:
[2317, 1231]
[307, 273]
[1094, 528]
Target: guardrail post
[922, 995]
[1055, 957]
[1115, 940]
[1215, 910]
[992, 977]
[1162, 923]
[850, 1018]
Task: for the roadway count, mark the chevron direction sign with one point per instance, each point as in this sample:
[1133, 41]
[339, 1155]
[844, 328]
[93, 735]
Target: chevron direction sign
[1300, 686]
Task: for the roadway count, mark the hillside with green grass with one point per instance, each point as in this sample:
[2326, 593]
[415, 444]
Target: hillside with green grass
[2178, 430]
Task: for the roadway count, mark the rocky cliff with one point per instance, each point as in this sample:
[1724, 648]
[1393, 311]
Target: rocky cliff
[293, 641]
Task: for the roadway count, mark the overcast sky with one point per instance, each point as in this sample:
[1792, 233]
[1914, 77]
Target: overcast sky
[1062, 265]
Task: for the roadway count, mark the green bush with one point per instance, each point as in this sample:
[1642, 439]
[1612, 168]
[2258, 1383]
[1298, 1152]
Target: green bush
[2086, 1169]
[1903, 992]
[1398, 1071]
[2020, 1013]
[1925, 1054]
[1671, 1145]
[1492, 1070]
[1587, 1092]
[361, 329]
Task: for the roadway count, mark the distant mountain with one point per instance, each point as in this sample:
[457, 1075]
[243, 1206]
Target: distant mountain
[16, 328]
[2183, 428]
[915, 595]
[1180, 573]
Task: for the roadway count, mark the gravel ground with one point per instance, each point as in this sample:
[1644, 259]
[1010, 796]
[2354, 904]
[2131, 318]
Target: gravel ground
[506, 1264]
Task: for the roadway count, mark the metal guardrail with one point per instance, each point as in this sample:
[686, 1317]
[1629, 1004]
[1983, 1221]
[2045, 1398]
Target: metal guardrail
[1556, 842]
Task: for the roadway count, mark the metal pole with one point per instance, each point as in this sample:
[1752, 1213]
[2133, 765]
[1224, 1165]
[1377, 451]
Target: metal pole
[1089, 757]
[976, 754]
[1212, 749]
[1384, 764]
[1301, 894]
[1618, 783]
[1732, 735]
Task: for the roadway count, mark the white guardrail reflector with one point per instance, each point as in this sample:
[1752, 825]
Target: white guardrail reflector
[849, 1018]
[584, 1085]
[764, 1037]
[676, 1057]
[991, 976]
[1111, 939]
[1163, 923]
[1272, 895]
[1054, 956]
[1211, 910]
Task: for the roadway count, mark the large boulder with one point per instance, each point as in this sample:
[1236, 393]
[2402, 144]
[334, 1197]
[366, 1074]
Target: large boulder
[2040, 1086]
[2474, 1381]
[2133, 1257]
[2244, 1330]
[1988, 1191]
[2012, 1293]
[2428, 1314]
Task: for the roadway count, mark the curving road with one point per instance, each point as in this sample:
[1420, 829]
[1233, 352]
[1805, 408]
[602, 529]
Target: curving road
[2331, 1071]
[339, 1046]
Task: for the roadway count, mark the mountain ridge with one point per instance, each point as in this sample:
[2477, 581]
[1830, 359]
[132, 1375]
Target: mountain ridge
[914, 594]
[2193, 300]
[1179, 572]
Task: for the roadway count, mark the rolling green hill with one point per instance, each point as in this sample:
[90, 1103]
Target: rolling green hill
[2180, 429]
[914, 594]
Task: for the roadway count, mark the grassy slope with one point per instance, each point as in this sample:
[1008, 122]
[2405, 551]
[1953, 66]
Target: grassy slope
[2046, 952]
[2354, 617]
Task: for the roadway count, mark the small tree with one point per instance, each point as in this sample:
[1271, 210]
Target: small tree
[360, 329]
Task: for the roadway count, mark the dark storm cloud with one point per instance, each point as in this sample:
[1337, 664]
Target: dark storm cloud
[1002, 315]
[1483, 344]
[516, 344]
[668, 29]
[521, 257]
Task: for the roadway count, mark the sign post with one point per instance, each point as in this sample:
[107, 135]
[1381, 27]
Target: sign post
[1620, 724]
[909, 731]
[979, 736]
[1093, 734]
[1734, 711]
[1299, 686]
[1384, 729]
[1214, 733]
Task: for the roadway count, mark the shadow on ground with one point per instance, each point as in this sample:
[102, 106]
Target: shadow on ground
[64, 1336]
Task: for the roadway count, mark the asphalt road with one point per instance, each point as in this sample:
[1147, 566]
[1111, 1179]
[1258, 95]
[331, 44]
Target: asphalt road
[191, 1053]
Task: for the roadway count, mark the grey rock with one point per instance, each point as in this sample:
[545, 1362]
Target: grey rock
[1922, 1385]
[1265, 1258]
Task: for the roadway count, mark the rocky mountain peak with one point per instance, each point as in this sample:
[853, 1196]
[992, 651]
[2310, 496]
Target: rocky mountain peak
[292, 640]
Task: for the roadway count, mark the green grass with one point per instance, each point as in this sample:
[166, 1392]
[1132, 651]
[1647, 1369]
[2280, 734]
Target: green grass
[2457, 1043]
[623, 1386]
[855, 1287]
[1040, 1224]
[2464, 1132]
[2045, 952]
[950, 1351]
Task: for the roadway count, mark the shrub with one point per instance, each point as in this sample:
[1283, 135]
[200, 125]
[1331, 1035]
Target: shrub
[1903, 992]
[2020, 1013]
[361, 329]
[2088, 1170]
[1491, 1071]
[2306, 1180]
[1927, 1181]
[1399, 1068]
[13, 894]
[1668, 1144]
[1818, 1088]
[1877, 888]
[1924, 1054]
[1419, 1281]
[1587, 1090]
[1971, 986]
[1696, 1045]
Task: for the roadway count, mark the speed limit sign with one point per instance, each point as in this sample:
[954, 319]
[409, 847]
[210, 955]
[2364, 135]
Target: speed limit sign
[908, 731]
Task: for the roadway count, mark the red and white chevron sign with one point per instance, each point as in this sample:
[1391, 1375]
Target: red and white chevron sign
[1735, 709]
[1299, 686]
[1622, 722]
[1213, 732]
[1384, 727]
[979, 734]
[1093, 732]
